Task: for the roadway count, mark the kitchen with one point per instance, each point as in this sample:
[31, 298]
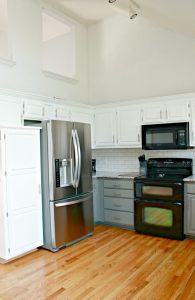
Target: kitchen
[157, 84]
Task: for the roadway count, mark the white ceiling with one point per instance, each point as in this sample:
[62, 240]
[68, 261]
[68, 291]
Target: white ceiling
[178, 15]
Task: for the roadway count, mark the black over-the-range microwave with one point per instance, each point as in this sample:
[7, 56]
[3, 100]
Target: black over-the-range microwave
[165, 136]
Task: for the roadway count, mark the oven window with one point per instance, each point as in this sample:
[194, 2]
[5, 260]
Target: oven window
[157, 191]
[158, 216]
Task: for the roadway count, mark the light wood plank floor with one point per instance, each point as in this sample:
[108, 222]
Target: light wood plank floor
[113, 264]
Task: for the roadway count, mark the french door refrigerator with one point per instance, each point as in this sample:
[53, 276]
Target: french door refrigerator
[66, 183]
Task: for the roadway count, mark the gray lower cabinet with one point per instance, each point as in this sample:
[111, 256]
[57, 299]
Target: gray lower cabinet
[119, 202]
[189, 209]
[98, 201]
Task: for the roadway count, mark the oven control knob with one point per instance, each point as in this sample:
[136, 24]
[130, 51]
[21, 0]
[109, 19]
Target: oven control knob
[161, 175]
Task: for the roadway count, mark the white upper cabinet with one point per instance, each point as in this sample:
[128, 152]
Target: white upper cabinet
[128, 126]
[165, 112]
[62, 113]
[177, 111]
[33, 109]
[104, 128]
[37, 110]
[81, 115]
[10, 111]
[152, 113]
[21, 203]
[117, 127]
[48, 111]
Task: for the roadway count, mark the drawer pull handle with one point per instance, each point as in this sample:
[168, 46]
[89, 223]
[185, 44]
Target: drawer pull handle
[117, 205]
[117, 219]
[116, 185]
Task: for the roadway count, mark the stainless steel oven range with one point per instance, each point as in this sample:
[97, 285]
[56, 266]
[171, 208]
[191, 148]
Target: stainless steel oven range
[159, 197]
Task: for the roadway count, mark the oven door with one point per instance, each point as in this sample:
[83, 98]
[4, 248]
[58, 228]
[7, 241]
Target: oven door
[159, 218]
[161, 190]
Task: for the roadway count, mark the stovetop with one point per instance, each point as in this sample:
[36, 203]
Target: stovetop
[167, 169]
[176, 179]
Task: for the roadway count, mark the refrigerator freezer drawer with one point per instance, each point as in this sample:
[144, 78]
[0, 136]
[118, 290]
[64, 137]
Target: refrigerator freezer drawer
[71, 220]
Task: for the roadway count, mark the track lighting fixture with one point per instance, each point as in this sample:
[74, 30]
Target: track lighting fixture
[132, 13]
[133, 7]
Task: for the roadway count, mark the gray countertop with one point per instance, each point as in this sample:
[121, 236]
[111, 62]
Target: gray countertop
[190, 179]
[115, 175]
[129, 175]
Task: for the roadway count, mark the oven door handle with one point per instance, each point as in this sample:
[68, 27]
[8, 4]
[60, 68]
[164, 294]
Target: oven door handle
[153, 201]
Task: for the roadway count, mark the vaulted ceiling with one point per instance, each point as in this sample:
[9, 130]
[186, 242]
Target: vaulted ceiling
[177, 15]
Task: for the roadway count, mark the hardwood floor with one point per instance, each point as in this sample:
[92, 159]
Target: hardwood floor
[113, 264]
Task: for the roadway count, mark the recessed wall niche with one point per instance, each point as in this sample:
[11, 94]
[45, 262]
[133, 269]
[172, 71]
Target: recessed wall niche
[5, 44]
[58, 40]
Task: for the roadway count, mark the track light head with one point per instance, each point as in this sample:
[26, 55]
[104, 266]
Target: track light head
[133, 7]
[132, 14]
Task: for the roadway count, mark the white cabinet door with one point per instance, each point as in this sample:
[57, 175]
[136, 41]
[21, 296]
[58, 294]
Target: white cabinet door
[62, 113]
[37, 110]
[162, 112]
[128, 126]
[49, 112]
[33, 110]
[23, 190]
[190, 214]
[10, 111]
[177, 111]
[81, 115]
[153, 113]
[104, 128]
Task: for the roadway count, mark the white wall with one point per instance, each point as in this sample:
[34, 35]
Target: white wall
[25, 29]
[137, 59]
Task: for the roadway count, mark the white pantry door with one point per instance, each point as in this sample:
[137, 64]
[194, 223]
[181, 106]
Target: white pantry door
[23, 184]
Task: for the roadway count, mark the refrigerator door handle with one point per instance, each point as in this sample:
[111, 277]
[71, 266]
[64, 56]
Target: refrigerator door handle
[74, 158]
[70, 203]
[79, 159]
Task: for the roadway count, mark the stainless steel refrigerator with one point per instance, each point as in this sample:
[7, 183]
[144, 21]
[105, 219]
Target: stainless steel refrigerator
[66, 183]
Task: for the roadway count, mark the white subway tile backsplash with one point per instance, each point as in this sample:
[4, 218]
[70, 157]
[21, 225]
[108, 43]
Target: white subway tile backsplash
[126, 160]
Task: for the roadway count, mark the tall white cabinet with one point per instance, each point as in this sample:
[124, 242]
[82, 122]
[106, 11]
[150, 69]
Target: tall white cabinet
[20, 191]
